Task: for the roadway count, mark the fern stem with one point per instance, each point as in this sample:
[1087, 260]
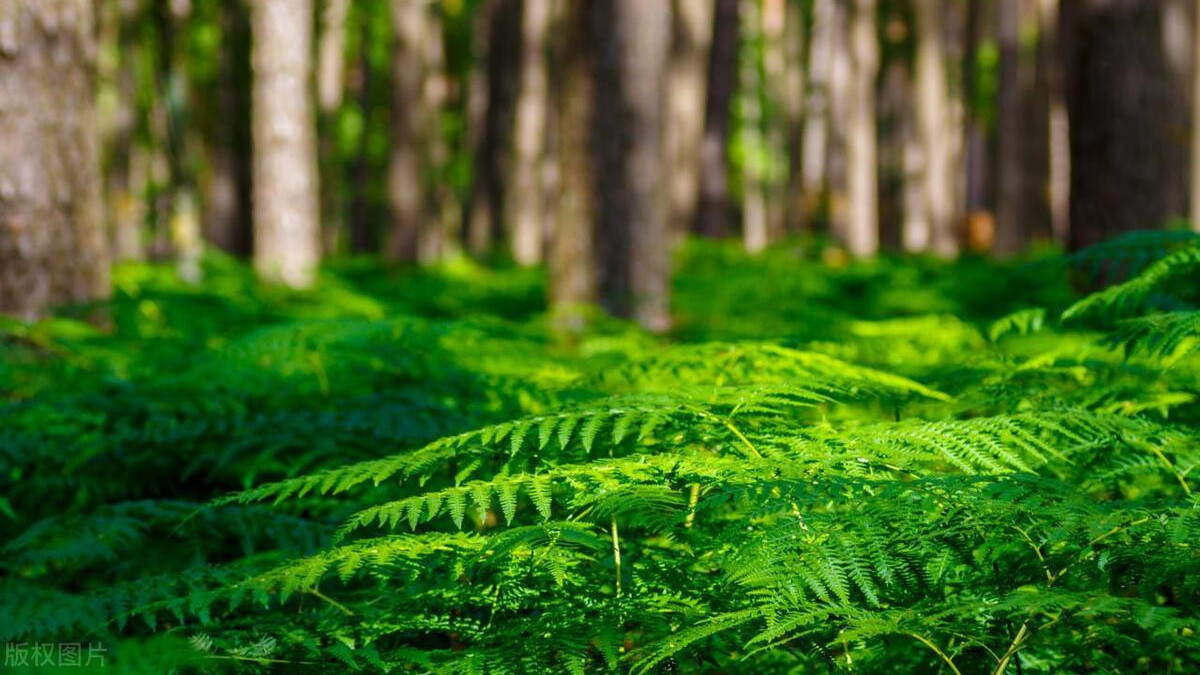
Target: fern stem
[1037, 550]
[616, 548]
[1097, 540]
[259, 660]
[745, 441]
[937, 650]
[322, 378]
[344, 609]
[1187, 490]
[693, 499]
[1051, 578]
[1017, 642]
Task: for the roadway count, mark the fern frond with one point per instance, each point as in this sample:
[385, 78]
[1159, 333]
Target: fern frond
[1171, 336]
[1132, 295]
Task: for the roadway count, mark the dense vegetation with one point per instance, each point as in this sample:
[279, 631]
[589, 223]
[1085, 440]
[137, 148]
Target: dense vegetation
[888, 466]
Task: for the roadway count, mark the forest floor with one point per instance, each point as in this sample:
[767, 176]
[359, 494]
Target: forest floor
[449, 390]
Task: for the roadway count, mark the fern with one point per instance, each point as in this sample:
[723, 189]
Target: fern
[910, 471]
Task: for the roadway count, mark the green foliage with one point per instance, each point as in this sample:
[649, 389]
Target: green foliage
[892, 466]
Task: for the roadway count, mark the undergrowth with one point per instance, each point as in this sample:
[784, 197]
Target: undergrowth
[895, 466]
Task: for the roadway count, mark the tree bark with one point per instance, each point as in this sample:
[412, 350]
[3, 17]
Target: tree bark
[1059, 143]
[526, 201]
[286, 228]
[1035, 208]
[493, 108]
[898, 99]
[755, 217]
[331, 89]
[1119, 88]
[437, 239]
[125, 185]
[791, 99]
[227, 214]
[712, 213]
[572, 251]
[1195, 182]
[1011, 233]
[331, 56]
[1178, 43]
[690, 44]
[815, 146]
[778, 119]
[633, 44]
[186, 240]
[410, 131]
[860, 231]
[361, 212]
[979, 225]
[52, 243]
[934, 131]
[842, 108]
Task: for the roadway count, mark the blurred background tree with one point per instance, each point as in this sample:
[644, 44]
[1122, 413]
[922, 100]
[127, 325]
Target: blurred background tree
[591, 136]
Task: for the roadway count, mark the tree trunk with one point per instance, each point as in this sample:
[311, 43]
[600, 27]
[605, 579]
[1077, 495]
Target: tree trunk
[286, 228]
[712, 214]
[572, 252]
[1178, 43]
[691, 40]
[1011, 234]
[125, 189]
[493, 102]
[979, 227]
[815, 146]
[755, 218]
[1035, 213]
[777, 114]
[1195, 183]
[791, 99]
[1118, 85]
[227, 213]
[360, 85]
[478, 235]
[52, 244]
[934, 132]
[177, 124]
[916, 232]
[331, 88]
[410, 131]
[331, 56]
[633, 44]
[842, 109]
[1059, 143]
[438, 236]
[860, 232]
[526, 202]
